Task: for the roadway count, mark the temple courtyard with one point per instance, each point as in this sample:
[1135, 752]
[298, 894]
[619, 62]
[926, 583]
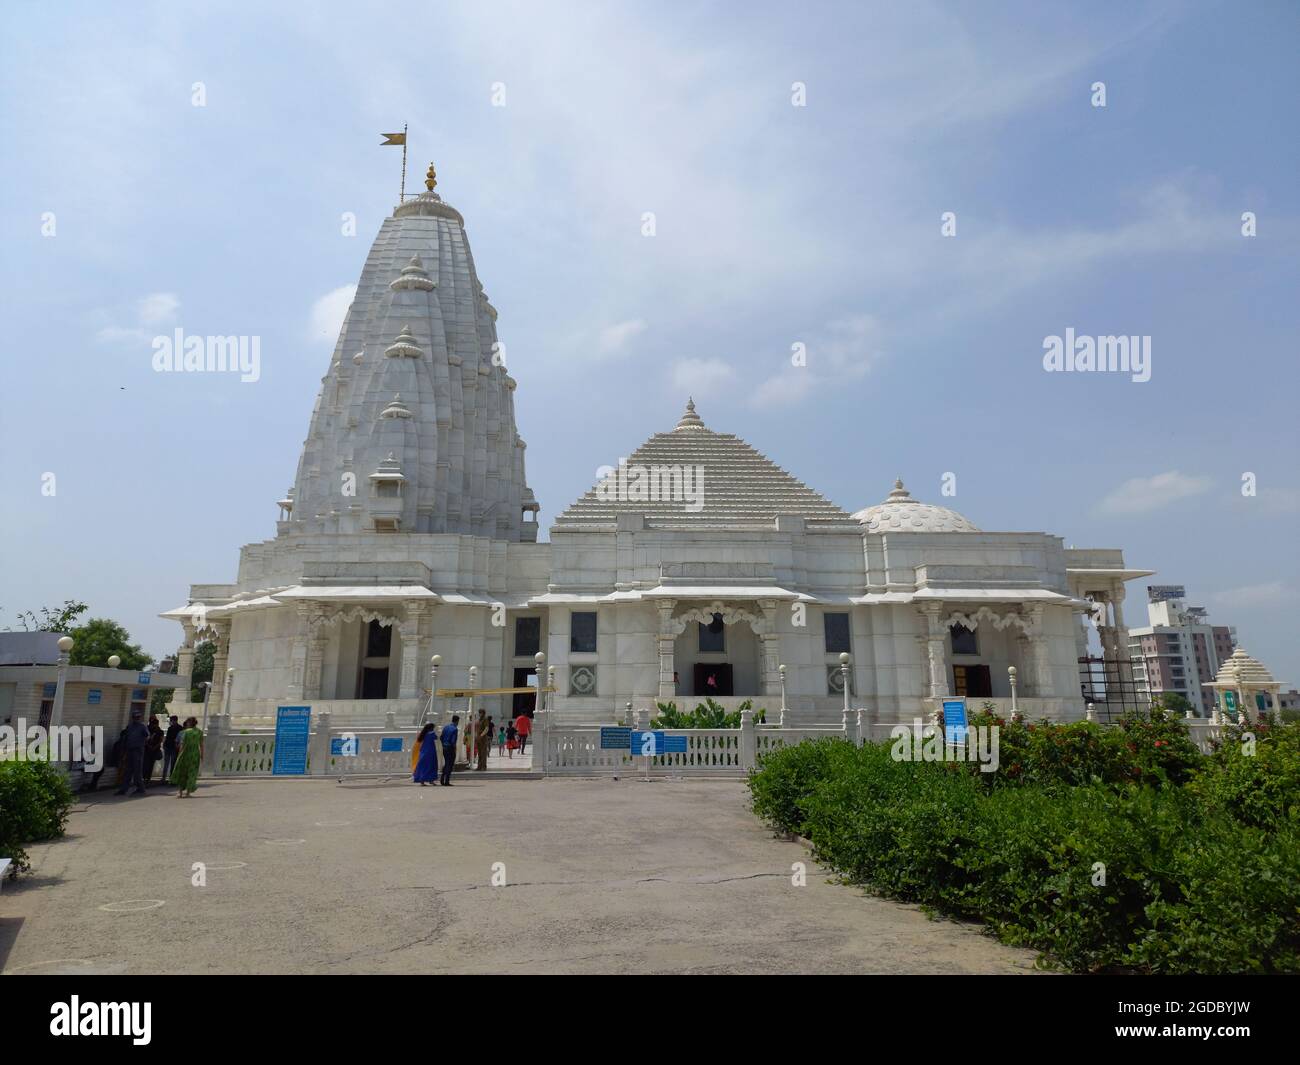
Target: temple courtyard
[591, 876]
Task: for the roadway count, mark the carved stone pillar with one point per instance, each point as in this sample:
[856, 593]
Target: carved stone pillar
[298, 654]
[184, 666]
[220, 658]
[412, 632]
[936, 640]
[667, 687]
[317, 637]
[771, 648]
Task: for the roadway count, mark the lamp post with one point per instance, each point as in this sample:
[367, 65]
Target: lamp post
[207, 691]
[1011, 675]
[434, 663]
[540, 659]
[114, 661]
[56, 712]
[844, 677]
[470, 739]
[228, 699]
[781, 718]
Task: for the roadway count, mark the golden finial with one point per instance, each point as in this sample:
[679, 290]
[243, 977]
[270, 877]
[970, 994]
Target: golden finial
[430, 179]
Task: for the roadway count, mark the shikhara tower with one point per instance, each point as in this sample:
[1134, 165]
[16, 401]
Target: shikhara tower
[417, 401]
[410, 531]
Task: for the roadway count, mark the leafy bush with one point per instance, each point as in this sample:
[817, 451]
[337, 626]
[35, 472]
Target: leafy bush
[795, 772]
[1099, 875]
[707, 714]
[1142, 749]
[1254, 775]
[34, 802]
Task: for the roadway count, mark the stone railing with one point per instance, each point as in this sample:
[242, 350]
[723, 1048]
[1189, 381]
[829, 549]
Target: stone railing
[242, 751]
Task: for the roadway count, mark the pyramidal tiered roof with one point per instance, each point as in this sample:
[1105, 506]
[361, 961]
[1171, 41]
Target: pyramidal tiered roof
[740, 486]
[1241, 669]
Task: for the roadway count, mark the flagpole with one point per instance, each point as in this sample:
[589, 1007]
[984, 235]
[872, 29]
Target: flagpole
[401, 198]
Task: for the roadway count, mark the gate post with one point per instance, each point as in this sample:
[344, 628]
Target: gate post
[318, 753]
[748, 740]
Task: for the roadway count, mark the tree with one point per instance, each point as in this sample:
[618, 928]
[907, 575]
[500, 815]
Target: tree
[98, 638]
[1173, 703]
[60, 620]
[202, 668]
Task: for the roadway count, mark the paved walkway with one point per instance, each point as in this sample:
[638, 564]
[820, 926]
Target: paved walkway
[315, 876]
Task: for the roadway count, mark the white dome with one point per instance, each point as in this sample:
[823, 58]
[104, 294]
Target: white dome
[901, 513]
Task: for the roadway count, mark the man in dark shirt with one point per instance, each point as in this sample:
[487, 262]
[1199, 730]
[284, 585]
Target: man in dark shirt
[137, 735]
[169, 747]
[449, 735]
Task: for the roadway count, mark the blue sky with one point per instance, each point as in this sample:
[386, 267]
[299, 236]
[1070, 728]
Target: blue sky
[775, 225]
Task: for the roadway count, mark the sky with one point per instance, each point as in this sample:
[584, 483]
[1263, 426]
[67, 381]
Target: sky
[194, 165]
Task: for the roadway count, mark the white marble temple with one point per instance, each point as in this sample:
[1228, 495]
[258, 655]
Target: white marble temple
[410, 530]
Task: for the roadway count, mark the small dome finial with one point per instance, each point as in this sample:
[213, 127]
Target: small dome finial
[431, 179]
[899, 494]
[690, 420]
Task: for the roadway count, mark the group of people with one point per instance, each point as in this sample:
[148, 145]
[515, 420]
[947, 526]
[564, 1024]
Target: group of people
[434, 755]
[140, 747]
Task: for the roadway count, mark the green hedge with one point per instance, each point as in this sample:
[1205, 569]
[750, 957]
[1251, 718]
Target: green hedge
[34, 802]
[1202, 877]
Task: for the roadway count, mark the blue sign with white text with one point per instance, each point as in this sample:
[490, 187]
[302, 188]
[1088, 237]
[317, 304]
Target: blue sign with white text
[343, 747]
[94, 696]
[615, 738]
[292, 734]
[143, 678]
[390, 743]
[955, 726]
[647, 743]
[674, 745]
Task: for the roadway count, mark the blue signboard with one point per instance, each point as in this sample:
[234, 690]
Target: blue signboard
[954, 721]
[390, 743]
[139, 695]
[674, 745]
[292, 733]
[49, 690]
[615, 738]
[94, 696]
[143, 678]
[647, 743]
[343, 747]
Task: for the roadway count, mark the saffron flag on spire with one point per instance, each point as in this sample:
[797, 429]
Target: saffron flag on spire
[393, 138]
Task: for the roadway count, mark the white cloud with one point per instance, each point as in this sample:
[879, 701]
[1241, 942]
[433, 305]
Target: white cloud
[700, 377]
[613, 338]
[1141, 495]
[847, 348]
[1253, 595]
[328, 312]
[158, 308]
[784, 389]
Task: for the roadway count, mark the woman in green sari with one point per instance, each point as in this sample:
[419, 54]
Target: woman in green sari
[185, 774]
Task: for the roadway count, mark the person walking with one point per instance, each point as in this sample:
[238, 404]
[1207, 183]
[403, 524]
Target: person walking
[524, 726]
[482, 740]
[426, 765]
[512, 738]
[152, 749]
[448, 744]
[137, 735]
[501, 740]
[185, 774]
[169, 747]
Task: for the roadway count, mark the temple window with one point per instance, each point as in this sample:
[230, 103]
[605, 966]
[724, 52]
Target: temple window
[964, 641]
[582, 631]
[836, 628]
